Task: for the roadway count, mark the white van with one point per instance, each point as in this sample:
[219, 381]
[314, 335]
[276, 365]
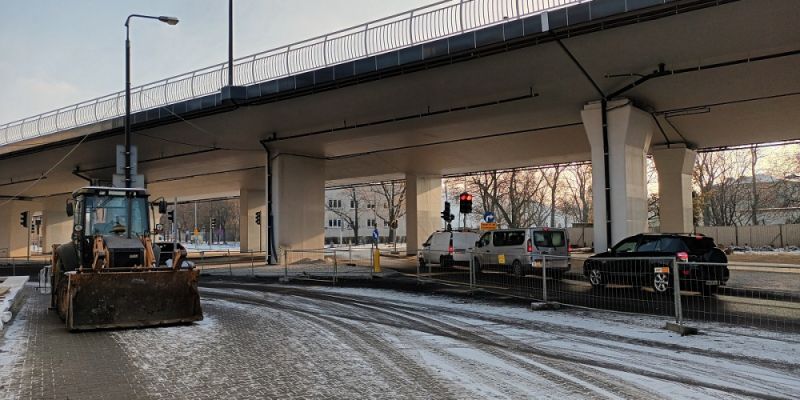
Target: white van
[446, 249]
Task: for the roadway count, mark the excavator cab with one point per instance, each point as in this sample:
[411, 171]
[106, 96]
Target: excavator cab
[108, 275]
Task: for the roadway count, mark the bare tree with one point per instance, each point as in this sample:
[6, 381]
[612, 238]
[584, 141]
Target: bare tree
[551, 177]
[753, 185]
[516, 197]
[393, 196]
[718, 176]
[577, 200]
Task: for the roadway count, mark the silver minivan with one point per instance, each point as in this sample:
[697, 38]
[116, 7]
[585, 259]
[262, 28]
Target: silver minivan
[520, 251]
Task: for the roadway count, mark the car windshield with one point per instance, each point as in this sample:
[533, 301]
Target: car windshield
[103, 213]
[626, 246]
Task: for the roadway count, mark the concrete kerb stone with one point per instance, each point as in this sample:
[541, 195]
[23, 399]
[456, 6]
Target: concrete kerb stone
[683, 330]
[545, 305]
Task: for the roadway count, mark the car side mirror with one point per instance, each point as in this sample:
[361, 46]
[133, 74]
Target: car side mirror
[70, 208]
[162, 206]
[478, 244]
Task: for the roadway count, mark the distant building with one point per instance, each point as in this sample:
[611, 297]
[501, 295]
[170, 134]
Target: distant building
[368, 209]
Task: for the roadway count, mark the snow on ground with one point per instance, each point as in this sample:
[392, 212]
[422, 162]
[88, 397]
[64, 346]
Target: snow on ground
[7, 300]
[13, 345]
[748, 342]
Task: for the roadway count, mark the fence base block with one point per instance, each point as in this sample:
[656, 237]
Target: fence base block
[682, 329]
[283, 280]
[544, 305]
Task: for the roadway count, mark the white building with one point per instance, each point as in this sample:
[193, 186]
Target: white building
[371, 210]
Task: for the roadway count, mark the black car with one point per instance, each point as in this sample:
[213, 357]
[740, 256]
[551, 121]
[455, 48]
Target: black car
[643, 261]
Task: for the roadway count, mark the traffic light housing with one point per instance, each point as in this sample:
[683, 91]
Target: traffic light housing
[23, 219]
[446, 215]
[213, 223]
[465, 203]
[171, 216]
[258, 217]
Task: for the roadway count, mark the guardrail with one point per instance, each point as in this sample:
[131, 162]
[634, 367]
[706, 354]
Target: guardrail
[425, 24]
[646, 285]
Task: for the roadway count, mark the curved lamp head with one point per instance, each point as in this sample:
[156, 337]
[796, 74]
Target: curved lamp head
[168, 20]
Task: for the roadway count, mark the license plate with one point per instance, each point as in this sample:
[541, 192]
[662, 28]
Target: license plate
[661, 270]
[501, 259]
[712, 283]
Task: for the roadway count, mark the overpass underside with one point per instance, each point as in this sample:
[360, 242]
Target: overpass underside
[677, 77]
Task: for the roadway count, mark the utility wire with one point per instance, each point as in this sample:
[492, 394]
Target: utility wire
[34, 183]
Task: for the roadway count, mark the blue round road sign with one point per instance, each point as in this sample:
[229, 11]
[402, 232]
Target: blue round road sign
[488, 216]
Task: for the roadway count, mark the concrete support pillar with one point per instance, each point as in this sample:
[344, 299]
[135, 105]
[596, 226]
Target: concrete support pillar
[57, 225]
[675, 165]
[629, 131]
[298, 202]
[13, 236]
[252, 237]
[423, 207]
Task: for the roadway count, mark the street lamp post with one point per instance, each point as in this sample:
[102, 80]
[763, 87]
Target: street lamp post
[128, 177]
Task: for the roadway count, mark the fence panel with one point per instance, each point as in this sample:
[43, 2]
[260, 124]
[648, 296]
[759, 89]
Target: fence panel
[647, 285]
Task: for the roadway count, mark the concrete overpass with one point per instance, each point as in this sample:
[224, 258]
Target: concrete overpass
[530, 89]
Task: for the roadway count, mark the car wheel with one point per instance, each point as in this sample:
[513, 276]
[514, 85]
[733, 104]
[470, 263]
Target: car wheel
[516, 269]
[477, 265]
[661, 283]
[444, 262]
[422, 264]
[596, 278]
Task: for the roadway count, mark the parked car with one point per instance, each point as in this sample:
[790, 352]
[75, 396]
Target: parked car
[447, 248]
[639, 261]
[164, 252]
[521, 251]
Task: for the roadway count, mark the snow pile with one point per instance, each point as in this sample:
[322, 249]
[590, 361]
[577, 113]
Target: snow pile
[9, 289]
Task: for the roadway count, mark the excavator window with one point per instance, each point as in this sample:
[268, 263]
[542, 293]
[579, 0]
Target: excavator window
[103, 213]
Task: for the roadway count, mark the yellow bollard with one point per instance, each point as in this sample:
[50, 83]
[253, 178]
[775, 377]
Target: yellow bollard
[376, 261]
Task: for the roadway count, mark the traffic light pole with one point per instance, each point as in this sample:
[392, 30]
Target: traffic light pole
[175, 233]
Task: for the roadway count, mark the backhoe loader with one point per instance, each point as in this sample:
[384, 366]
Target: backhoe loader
[109, 276]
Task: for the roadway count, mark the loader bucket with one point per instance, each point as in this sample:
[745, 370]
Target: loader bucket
[130, 299]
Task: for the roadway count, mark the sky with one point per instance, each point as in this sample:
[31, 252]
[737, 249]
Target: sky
[54, 53]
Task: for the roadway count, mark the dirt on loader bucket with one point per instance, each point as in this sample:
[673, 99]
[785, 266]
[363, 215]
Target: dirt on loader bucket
[130, 299]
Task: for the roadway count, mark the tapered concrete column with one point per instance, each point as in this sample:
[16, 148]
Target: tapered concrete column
[423, 209]
[13, 236]
[252, 236]
[675, 165]
[57, 225]
[298, 202]
[629, 132]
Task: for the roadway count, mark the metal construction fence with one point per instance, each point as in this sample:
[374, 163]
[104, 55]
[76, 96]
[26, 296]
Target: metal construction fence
[425, 24]
[644, 285]
[776, 236]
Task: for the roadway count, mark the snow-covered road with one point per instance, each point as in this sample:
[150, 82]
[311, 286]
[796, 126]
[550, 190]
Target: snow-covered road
[280, 341]
[471, 349]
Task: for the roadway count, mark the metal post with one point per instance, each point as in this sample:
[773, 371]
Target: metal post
[471, 271]
[285, 265]
[30, 222]
[350, 252]
[230, 42]
[128, 181]
[676, 288]
[174, 234]
[335, 267]
[252, 266]
[544, 277]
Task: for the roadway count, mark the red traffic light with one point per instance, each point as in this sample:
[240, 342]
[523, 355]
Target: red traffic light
[465, 197]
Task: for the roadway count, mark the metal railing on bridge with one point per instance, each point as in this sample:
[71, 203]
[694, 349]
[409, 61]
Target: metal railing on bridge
[425, 24]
